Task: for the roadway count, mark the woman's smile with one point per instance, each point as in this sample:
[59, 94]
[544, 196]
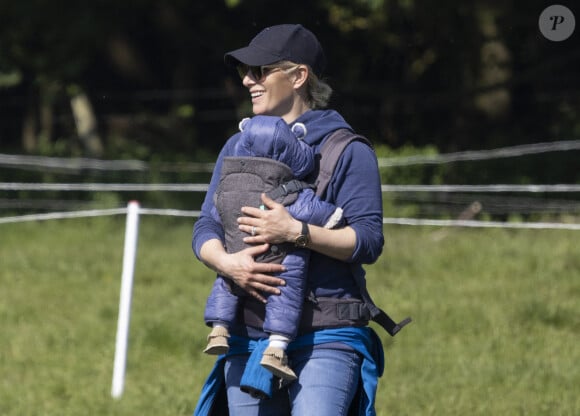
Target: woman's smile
[256, 94]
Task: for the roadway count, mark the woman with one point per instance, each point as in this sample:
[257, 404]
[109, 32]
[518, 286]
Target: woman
[281, 68]
[268, 157]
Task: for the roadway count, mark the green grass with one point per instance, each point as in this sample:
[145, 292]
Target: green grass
[496, 326]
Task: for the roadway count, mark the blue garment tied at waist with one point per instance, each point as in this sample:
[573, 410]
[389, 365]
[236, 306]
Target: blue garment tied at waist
[257, 379]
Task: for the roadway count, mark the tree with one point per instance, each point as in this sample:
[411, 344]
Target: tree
[454, 74]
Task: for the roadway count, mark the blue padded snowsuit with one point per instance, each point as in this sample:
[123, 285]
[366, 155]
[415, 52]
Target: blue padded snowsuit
[267, 155]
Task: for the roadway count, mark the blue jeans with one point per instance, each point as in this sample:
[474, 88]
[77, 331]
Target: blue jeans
[327, 382]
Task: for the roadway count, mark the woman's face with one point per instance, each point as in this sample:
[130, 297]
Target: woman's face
[275, 92]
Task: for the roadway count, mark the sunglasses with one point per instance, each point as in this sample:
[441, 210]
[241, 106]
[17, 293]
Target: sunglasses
[257, 72]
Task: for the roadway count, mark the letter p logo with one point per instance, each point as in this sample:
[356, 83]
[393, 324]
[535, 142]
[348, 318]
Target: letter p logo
[557, 23]
[556, 20]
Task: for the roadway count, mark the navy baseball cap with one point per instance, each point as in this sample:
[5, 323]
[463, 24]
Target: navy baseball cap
[277, 43]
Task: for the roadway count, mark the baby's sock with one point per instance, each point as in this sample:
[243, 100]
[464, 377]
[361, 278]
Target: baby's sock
[278, 341]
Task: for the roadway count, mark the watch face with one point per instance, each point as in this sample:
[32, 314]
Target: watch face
[301, 241]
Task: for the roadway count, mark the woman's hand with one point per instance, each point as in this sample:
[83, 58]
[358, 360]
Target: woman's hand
[275, 225]
[272, 225]
[255, 278]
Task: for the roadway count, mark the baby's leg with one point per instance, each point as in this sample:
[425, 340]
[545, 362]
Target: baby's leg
[275, 359]
[218, 339]
[220, 309]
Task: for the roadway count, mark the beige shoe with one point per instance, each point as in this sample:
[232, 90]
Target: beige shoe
[217, 341]
[276, 361]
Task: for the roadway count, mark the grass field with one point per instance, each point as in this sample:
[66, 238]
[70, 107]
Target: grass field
[496, 314]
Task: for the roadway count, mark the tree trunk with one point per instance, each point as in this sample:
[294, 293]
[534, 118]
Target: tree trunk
[86, 123]
[29, 125]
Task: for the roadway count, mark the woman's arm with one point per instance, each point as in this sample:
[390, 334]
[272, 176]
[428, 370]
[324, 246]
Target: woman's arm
[336, 243]
[240, 267]
[275, 225]
[355, 187]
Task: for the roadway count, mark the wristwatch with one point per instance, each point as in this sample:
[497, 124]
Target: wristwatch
[304, 237]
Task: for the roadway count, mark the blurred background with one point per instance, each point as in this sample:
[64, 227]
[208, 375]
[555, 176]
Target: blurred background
[144, 82]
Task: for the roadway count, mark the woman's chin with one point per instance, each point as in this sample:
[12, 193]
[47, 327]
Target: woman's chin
[259, 110]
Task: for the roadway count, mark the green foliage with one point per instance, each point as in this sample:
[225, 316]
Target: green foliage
[406, 175]
[407, 71]
[106, 200]
[412, 174]
[10, 79]
[495, 330]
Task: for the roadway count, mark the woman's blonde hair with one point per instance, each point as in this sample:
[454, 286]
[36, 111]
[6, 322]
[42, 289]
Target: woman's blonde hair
[318, 92]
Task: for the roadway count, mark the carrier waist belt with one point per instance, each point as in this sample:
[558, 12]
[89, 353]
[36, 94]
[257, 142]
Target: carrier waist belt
[320, 314]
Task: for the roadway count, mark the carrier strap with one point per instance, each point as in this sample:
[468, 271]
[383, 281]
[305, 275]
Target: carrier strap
[288, 188]
[323, 313]
[330, 152]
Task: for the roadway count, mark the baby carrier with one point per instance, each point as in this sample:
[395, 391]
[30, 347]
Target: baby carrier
[319, 313]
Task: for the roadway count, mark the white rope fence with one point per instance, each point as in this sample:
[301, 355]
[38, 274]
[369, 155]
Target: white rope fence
[482, 224]
[200, 187]
[73, 164]
[196, 214]
[63, 215]
[77, 165]
[473, 155]
[97, 213]
[103, 187]
[481, 188]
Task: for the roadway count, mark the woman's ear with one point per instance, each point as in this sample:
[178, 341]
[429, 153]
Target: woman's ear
[300, 76]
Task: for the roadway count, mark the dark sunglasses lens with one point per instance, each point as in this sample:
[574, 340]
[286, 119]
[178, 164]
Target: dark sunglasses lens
[255, 71]
[242, 70]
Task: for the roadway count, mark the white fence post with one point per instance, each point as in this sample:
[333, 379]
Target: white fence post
[129, 254]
